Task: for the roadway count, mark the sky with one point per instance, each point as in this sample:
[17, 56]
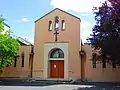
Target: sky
[21, 14]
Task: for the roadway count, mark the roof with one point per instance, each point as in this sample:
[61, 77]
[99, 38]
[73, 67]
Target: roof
[60, 10]
[6, 25]
[81, 43]
[24, 42]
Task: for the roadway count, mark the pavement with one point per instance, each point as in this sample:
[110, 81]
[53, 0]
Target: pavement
[51, 85]
[57, 87]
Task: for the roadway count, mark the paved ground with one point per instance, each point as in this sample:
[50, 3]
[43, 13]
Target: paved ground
[50, 85]
[56, 87]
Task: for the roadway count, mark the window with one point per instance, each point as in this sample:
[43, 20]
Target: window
[113, 65]
[94, 60]
[50, 26]
[63, 25]
[57, 53]
[103, 63]
[7, 65]
[22, 56]
[56, 23]
[15, 61]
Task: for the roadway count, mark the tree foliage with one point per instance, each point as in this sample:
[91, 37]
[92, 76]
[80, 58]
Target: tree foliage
[106, 32]
[8, 47]
[1, 24]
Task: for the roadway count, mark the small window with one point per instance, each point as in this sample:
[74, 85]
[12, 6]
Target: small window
[22, 56]
[50, 26]
[58, 53]
[7, 65]
[113, 65]
[63, 25]
[56, 23]
[15, 61]
[94, 60]
[104, 64]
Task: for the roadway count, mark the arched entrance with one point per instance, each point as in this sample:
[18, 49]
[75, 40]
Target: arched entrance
[56, 63]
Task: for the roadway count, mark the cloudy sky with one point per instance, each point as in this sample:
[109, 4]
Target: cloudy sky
[21, 14]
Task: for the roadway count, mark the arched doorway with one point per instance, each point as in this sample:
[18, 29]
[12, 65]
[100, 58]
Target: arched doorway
[56, 63]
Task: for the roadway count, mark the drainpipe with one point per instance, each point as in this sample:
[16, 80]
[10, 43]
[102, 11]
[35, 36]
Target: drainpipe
[31, 56]
[82, 53]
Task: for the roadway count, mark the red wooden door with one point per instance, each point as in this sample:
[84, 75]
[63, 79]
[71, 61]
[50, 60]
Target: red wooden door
[61, 68]
[53, 69]
[57, 69]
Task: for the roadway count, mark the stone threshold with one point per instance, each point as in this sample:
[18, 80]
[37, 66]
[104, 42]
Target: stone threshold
[35, 79]
[48, 80]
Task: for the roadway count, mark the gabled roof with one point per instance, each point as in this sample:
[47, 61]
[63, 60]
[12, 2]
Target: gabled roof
[60, 10]
[24, 42]
[6, 25]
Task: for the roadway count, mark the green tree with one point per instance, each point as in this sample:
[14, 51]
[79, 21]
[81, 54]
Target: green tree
[8, 47]
[1, 24]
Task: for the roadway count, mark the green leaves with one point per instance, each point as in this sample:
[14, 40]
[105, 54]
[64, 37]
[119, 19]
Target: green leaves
[8, 47]
[1, 24]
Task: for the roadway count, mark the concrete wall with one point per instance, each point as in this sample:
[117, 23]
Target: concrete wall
[71, 35]
[99, 73]
[19, 71]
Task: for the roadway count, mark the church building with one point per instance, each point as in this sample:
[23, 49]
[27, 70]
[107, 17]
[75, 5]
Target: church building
[58, 53]
[57, 46]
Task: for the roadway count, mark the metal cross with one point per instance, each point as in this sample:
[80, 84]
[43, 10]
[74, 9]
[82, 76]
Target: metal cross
[56, 33]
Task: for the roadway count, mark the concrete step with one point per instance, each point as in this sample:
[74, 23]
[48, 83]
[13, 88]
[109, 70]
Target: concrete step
[22, 79]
